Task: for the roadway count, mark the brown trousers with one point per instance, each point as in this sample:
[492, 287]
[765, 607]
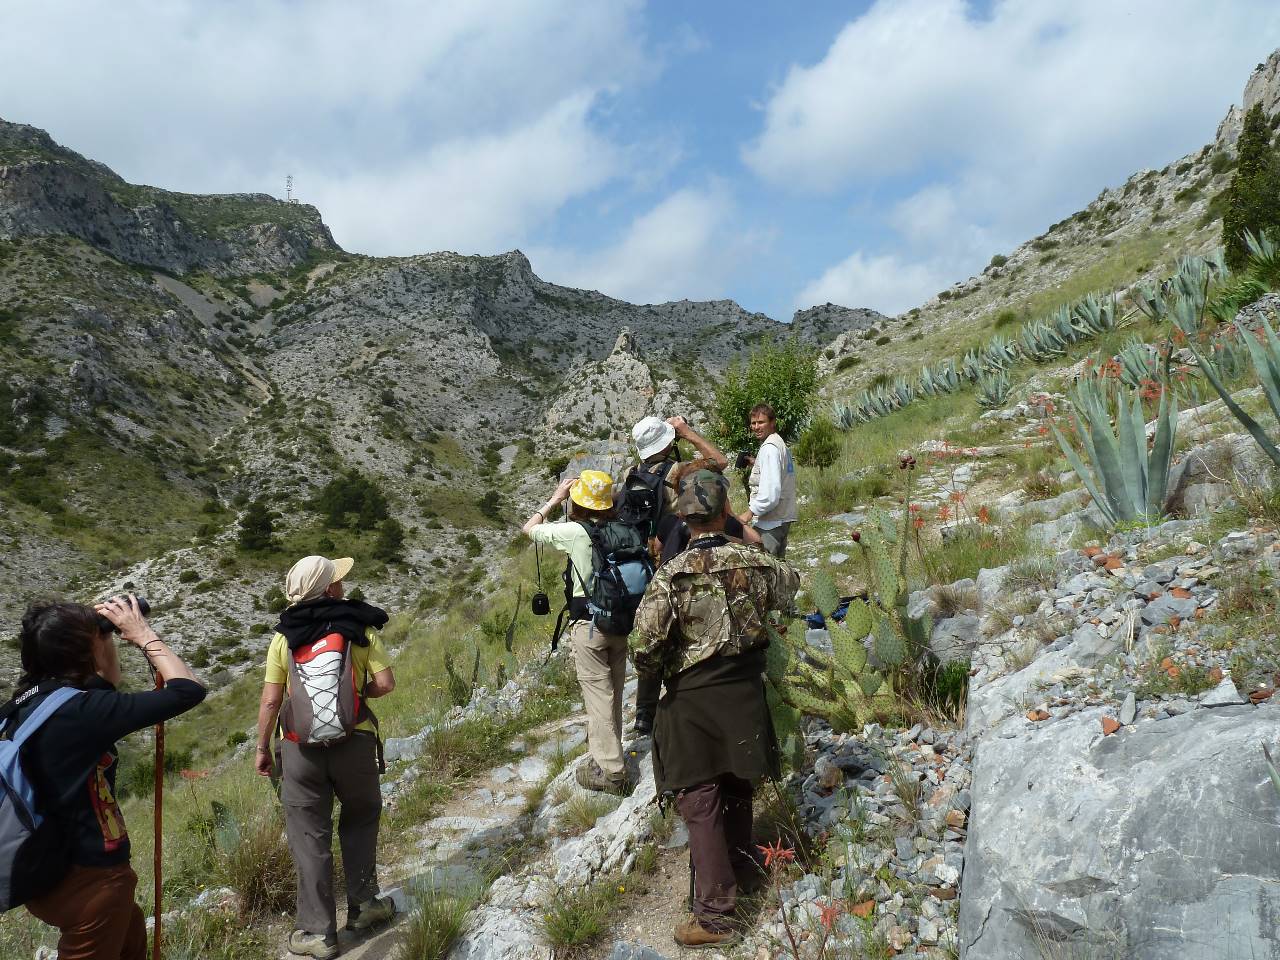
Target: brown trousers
[94, 909]
[312, 777]
[718, 815]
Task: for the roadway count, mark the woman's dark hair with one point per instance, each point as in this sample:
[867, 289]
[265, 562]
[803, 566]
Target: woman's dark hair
[57, 643]
[579, 512]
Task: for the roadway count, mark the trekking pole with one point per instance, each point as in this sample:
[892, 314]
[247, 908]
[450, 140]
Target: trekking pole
[159, 828]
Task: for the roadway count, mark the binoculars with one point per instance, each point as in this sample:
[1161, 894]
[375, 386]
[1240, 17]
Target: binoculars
[106, 626]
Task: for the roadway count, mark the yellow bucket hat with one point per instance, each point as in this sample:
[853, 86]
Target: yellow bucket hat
[593, 490]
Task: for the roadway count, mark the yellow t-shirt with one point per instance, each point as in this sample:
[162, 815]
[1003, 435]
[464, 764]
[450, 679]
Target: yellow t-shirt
[365, 662]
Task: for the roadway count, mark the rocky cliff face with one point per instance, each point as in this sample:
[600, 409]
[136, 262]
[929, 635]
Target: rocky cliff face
[47, 190]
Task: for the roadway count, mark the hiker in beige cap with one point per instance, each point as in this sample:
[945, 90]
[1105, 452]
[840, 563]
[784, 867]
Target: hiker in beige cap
[599, 657]
[327, 655]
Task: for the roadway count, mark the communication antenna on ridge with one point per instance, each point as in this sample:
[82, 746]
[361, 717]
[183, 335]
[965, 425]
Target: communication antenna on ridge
[288, 189]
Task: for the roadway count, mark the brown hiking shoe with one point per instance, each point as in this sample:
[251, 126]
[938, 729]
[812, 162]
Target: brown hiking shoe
[591, 777]
[694, 935]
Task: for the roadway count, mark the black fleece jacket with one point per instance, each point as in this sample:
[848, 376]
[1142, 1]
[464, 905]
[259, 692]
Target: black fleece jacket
[310, 620]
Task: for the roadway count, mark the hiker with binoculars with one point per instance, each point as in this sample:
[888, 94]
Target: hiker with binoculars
[71, 868]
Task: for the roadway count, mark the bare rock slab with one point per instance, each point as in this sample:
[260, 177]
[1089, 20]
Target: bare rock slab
[1159, 842]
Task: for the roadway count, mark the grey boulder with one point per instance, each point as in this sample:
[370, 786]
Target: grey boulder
[1155, 843]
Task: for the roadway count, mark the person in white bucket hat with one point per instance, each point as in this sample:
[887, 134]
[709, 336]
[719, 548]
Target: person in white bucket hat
[648, 499]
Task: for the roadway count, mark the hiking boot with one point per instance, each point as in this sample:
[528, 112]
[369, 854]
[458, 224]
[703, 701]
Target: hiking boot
[377, 910]
[694, 935]
[643, 725]
[313, 945]
[591, 777]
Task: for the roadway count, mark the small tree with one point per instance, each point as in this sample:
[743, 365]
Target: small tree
[390, 541]
[819, 446]
[785, 376]
[1253, 199]
[256, 528]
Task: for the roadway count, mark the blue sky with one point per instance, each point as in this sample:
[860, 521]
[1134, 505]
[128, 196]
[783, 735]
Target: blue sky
[779, 154]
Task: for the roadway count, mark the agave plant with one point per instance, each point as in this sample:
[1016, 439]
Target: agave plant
[1230, 356]
[993, 389]
[1138, 362]
[1126, 481]
[999, 353]
[1038, 341]
[1149, 300]
[842, 414]
[971, 366]
[940, 380]
[1264, 353]
[1094, 316]
[1063, 326]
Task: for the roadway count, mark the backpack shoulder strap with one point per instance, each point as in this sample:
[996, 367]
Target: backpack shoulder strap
[48, 707]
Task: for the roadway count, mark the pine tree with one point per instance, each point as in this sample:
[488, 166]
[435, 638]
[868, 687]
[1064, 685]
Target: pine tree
[390, 540]
[1252, 201]
[256, 528]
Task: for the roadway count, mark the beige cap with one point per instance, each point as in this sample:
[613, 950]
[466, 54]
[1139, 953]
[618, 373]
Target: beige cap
[310, 577]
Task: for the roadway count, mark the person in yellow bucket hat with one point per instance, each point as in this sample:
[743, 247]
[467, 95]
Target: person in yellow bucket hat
[600, 658]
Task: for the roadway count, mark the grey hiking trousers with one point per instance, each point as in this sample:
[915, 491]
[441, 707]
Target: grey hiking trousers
[312, 777]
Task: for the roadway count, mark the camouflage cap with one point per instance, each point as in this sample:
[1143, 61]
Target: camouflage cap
[702, 495]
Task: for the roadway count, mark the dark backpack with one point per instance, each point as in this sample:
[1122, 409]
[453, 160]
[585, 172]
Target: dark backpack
[621, 568]
[643, 500]
[34, 853]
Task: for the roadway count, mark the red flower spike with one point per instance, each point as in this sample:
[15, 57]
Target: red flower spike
[827, 914]
[776, 851]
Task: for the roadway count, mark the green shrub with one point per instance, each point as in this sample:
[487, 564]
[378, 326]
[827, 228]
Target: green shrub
[390, 541]
[999, 260]
[256, 528]
[882, 341]
[351, 500]
[846, 362]
[785, 376]
[188, 576]
[819, 445]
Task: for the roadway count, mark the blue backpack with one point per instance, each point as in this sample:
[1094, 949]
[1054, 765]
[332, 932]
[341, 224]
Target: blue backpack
[33, 851]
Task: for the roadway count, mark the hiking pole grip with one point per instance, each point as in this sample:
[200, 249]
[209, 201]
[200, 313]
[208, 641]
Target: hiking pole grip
[159, 830]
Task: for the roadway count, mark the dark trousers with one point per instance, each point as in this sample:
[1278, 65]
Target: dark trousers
[93, 907]
[312, 777]
[648, 690]
[718, 815]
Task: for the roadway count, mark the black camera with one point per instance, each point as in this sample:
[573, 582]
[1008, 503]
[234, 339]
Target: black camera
[540, 604]
[743, 460]
[106, 626]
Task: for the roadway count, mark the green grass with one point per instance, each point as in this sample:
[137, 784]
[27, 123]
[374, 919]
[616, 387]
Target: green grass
[575, 920]
[973, 547]
[435, 923]
[581, 813]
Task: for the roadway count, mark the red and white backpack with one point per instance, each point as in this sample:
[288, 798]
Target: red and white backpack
[324, 702]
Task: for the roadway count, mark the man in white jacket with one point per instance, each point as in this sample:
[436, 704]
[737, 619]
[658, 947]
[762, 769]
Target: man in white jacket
[772, 507]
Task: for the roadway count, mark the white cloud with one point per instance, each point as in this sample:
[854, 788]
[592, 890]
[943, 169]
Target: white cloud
[461, 123]
[885, 283]
[474, 194]
[684, 247]
[1000, 123]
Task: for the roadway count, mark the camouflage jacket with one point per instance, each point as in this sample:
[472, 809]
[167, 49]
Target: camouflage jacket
[708, 602]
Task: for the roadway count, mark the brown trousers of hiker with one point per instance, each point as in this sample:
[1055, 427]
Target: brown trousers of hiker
[601, 662]
[718, 815]
[312, 777]
[94, 909]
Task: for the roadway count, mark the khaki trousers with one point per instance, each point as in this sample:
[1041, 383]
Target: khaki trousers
[601, 661]
[313, 776]
[94, 909]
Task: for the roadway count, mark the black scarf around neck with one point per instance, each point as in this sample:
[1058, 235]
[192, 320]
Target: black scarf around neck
[310, 620]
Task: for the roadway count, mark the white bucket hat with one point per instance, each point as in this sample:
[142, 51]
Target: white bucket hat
[651, 436]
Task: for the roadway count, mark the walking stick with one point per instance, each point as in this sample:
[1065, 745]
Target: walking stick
[159, 825]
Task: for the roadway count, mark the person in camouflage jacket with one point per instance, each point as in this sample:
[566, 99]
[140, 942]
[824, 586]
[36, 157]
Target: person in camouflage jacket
[701, 629]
